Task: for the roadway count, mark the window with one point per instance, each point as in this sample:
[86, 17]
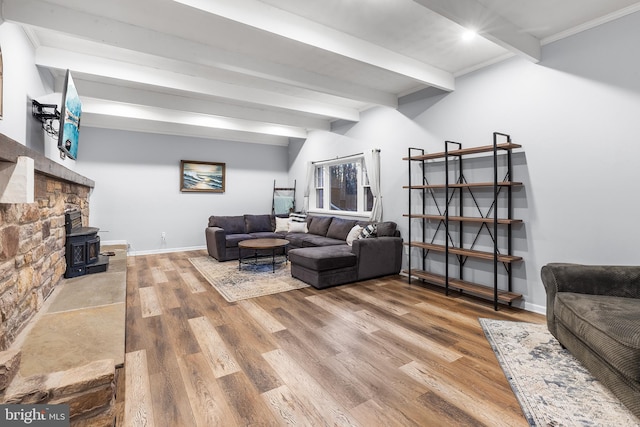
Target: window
[342, 185]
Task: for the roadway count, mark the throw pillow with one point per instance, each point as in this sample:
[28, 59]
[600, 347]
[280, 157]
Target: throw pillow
[387, 228]
[339, 228]
[258, 223]
[353, 234]
[320, 225]
[282, 225]
[368, 231]
[297, 227]
[230, 224]
[298, 217]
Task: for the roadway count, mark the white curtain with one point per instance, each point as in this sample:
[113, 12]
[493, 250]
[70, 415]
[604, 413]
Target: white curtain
[309, 185]
[372, 162]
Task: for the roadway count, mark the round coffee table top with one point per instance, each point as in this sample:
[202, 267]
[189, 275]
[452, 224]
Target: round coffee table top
[262, 243]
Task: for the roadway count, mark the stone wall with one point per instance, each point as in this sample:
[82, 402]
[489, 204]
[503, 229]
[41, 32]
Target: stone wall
[32, 253]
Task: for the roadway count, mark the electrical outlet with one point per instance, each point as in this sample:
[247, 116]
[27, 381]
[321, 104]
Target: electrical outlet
[163, 236]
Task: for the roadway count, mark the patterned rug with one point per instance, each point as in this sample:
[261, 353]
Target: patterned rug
[553, 388]
[249, 282]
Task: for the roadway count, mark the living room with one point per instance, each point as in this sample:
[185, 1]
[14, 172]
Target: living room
[561, 111]
[573, 112]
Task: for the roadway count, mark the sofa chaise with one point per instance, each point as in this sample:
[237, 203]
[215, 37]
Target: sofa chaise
[594, 312]
[320, 254]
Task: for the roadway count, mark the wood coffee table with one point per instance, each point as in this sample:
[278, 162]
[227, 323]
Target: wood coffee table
[257, 245]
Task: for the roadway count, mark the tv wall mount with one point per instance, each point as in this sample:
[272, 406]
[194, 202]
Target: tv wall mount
[47, 114]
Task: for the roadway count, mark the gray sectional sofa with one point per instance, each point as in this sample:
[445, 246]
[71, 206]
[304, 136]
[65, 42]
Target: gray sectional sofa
[321, 256]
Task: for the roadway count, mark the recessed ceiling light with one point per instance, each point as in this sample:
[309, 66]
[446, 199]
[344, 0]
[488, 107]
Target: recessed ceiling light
[468, 35]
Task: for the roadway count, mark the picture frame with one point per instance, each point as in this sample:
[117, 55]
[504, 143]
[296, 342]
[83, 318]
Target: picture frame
[197, 176]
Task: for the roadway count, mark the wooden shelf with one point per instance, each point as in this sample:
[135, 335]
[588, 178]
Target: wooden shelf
[464, 151]
[472, 288]
[445, 192]
[467, 185]
[464, 252]
[464, 219]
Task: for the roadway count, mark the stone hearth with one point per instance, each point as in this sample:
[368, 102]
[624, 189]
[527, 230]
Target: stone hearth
[61, 341]
[72, 350]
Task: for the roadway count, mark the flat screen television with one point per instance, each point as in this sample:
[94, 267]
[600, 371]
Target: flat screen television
[70, 113]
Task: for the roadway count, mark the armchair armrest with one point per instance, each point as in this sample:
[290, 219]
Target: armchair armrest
[216, 242]
[611, 280]
[379, 256]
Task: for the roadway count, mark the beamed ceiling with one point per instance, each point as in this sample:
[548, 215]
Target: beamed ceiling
[267, 70]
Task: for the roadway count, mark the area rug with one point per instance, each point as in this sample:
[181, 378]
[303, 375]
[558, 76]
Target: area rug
[250, 282]
[553, 388]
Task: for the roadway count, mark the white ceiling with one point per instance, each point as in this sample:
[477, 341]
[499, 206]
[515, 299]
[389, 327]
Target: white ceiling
[266, 70]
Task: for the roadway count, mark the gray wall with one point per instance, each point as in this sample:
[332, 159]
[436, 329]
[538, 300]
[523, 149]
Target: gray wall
[137, 194]
[23, 81]
[576, 115]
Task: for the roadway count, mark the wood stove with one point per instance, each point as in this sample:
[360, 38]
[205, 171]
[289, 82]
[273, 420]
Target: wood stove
[82, 247]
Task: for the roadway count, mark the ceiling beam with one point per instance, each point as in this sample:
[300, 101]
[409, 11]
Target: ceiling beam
[139, 39]
[277, 21]
[143, 112]
[474, 16]
[153, 77]
[133, 95]
[195, 70]
[165, 128]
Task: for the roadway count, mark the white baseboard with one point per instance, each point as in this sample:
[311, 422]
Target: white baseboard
[165, 251]
[540, 309]
[534, 308]
[149, 252]
[112, 242]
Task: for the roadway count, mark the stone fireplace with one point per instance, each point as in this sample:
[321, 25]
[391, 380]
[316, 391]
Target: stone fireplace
[32, 238]
[66, 355]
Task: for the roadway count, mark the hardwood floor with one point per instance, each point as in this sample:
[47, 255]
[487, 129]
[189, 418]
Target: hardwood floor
[375, 353]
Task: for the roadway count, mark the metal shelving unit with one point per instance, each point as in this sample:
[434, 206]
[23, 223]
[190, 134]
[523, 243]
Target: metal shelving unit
[451, 195]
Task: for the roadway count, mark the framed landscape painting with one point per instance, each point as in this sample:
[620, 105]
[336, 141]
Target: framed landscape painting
[202, 176]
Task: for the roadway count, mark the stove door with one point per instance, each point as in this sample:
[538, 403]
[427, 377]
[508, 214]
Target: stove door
[93, 249]
[76, 253]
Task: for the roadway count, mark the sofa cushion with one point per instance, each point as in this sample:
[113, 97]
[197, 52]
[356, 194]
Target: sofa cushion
[386, 229]
[230, 224]
[295, 239]
[256, 223]
[312, 241]
[609, 325]
[339, 228]
[231, 240]
[266, 235]
[323, 258]
[320, 225]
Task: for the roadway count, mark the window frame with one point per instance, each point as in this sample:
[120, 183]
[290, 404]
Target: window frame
[362, 184]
